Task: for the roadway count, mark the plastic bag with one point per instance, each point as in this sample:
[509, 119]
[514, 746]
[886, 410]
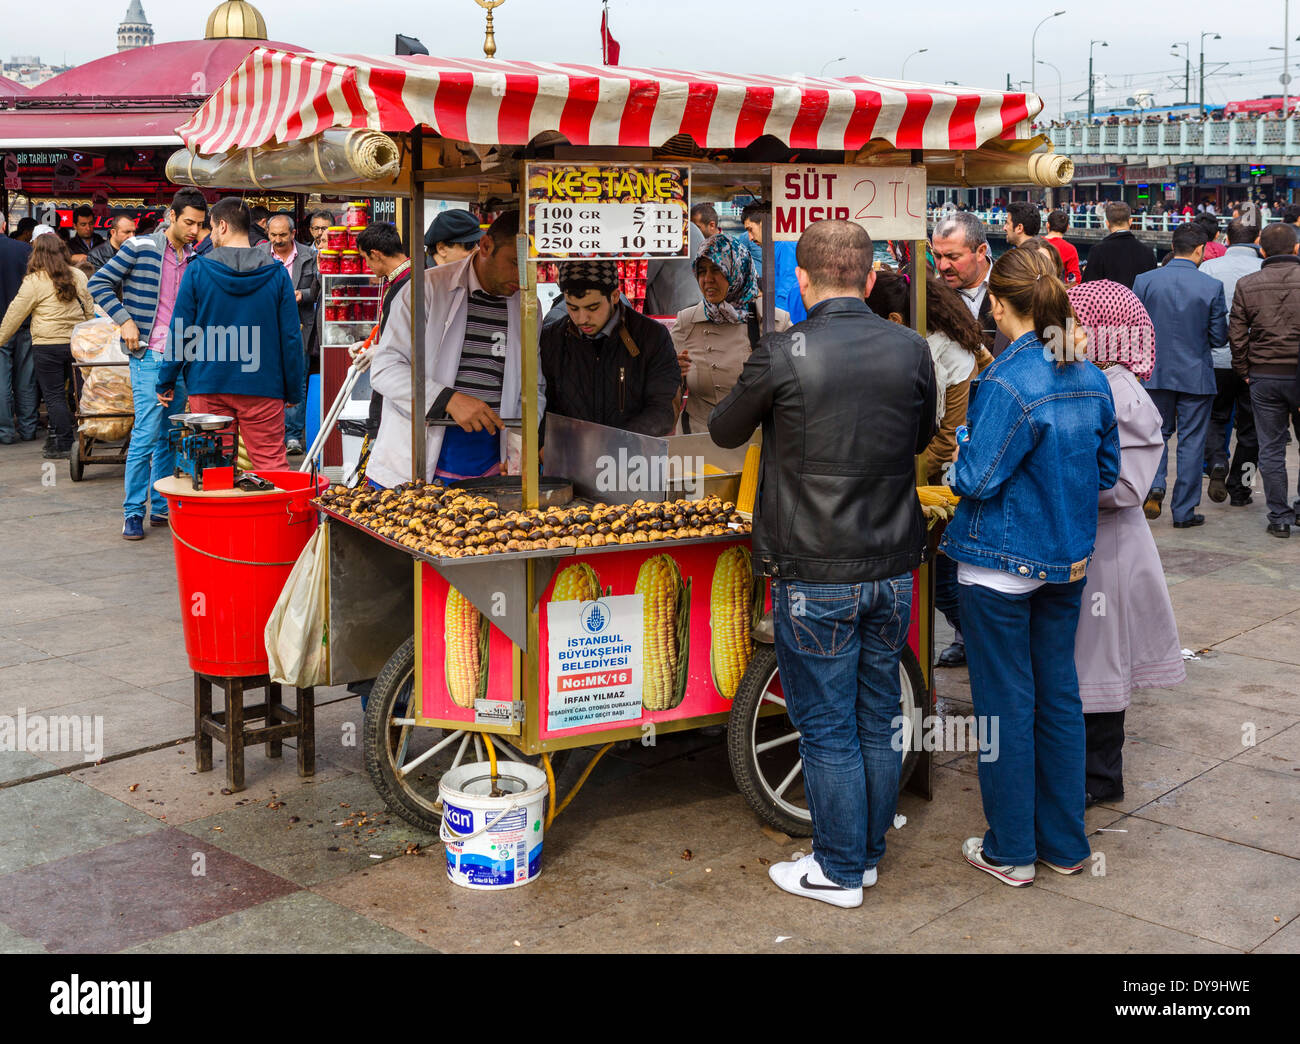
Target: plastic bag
[107, 388]
[297, 642]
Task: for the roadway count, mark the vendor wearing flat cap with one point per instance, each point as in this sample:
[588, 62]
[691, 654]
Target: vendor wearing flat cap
[607, 363]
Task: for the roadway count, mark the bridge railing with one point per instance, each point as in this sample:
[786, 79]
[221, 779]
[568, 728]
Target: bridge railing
[1248, 137]
[995, 220]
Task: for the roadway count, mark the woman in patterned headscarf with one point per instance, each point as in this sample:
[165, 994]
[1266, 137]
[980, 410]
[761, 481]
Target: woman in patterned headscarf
[1127, 637]
[715, 337]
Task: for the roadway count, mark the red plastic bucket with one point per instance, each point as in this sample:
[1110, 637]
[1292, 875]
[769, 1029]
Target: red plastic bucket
[234, 553]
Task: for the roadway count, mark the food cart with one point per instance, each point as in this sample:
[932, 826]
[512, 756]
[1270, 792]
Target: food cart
[526, 654]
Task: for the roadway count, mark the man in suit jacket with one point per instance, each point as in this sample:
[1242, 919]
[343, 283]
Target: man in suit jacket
[1189, 312]
[1121, 257]
[300, 260]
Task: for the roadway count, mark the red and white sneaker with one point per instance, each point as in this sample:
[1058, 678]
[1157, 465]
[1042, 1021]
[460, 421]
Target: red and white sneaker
[972, 850]
[1060, 868]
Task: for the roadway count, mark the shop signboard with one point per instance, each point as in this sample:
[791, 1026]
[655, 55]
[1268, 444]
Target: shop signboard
[889, 202]
[618, 210]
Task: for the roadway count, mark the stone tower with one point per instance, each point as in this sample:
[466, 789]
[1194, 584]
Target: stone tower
[135, 30]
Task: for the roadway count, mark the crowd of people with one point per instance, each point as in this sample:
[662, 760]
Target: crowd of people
[1083, 371]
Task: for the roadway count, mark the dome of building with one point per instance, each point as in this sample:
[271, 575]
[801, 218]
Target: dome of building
[235, 20]
[135, 30]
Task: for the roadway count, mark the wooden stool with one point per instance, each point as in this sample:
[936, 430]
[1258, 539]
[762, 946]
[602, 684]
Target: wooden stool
[229, 726]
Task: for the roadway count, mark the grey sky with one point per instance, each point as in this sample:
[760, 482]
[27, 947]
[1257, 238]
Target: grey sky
[971, 43]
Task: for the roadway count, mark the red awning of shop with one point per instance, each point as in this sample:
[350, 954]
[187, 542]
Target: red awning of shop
[136, 97]
[277, 96]
[44, 129]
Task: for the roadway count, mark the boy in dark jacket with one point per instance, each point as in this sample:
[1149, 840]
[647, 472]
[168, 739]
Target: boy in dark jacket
[607, 363]
[236, 338]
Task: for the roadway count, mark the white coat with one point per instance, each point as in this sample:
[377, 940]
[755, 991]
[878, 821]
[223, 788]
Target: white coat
[446, 295]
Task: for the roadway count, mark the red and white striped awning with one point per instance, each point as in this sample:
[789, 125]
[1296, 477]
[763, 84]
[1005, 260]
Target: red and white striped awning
[277, 96]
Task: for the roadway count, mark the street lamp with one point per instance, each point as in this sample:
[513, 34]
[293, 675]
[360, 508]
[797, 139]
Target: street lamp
[909, 58]
[1033, 53]
[1091, 45]
[1060, 107]
[1212, 36]
[844, 58]
[1187, 70]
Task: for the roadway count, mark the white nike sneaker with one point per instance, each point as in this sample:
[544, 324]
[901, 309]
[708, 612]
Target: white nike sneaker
[868, 877]
[804, 877]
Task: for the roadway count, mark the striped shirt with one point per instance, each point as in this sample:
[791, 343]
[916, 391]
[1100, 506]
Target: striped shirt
[136, 272]
[483, 357]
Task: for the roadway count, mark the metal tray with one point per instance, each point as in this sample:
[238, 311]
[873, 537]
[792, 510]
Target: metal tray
[517, 556]
[201, 421]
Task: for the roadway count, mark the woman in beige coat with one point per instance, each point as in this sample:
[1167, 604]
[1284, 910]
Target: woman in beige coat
[54, 294]
[715, 337]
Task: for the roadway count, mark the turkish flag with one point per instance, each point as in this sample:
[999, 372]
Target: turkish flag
[609, 48]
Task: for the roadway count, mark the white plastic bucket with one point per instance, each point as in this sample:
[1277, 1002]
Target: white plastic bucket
[493, 842]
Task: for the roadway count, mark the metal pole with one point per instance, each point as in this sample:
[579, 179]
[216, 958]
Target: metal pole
[528, 348]
[1286, 61]
[769, 271]
[1202, 75]
[1090, 83]
[415, 232]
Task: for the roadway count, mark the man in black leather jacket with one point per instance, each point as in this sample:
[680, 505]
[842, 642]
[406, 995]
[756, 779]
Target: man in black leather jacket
[846, 401]
[606, 362]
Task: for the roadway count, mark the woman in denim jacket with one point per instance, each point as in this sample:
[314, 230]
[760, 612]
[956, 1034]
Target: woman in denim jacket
[1043, 442]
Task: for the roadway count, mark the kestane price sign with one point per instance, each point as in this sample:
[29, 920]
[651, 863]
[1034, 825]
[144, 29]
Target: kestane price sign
[608, 210]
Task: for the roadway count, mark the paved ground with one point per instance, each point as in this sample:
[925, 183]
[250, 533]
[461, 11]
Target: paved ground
[1203, 855]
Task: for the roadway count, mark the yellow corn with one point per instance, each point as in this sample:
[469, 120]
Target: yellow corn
[659, 582]
[936, 495]
[465, 643]
[749, 480]
[730, 604]
[576, 583]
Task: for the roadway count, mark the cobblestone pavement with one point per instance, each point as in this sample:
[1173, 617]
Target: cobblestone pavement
[1203, 854]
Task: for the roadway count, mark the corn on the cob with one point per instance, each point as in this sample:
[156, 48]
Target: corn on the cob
[465, 639]
[936, 495]
[659, 582]
[576, 583]
[748, 480]
[730, 611]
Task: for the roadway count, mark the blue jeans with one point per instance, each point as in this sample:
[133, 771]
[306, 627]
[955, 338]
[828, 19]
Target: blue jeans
[17, 388]
[838, 647]
[1020, 649]
[150, 456]
[1189, 415]
[295, 417]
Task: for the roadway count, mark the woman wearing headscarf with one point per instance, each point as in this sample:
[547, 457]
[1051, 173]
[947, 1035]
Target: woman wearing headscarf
[715, 337]
[1127, 637]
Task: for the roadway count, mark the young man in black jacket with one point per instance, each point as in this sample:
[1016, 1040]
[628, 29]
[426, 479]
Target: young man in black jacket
[1121, 257]
[846, 401]
[607, 363]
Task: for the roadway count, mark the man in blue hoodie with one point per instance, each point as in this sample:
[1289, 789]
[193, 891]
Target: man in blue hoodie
[236, 338]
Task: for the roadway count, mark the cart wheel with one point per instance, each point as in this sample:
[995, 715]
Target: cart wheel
[763, 745]
[75, 466]
[404, 761]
